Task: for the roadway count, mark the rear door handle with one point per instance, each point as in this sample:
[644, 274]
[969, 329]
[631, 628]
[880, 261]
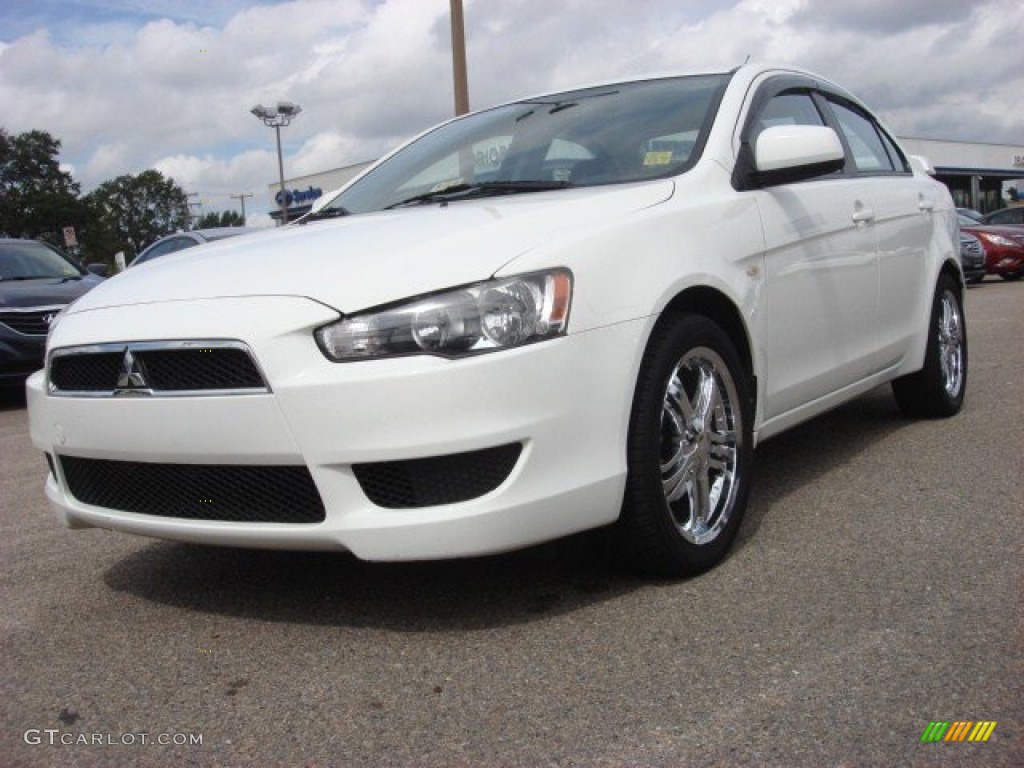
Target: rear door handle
[925, 204]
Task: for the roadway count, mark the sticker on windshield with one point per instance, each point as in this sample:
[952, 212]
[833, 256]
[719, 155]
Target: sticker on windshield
[441, 186]
[658, 158]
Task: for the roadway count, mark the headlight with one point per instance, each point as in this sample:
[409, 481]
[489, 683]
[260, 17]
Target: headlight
[497, 314]
[999, 240]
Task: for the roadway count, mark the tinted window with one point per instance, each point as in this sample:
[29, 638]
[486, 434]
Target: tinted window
[163, 248]
[611, 134]
[28, 259]
[1009, 216]
[898, 160]
[869, 153]
[787, 109]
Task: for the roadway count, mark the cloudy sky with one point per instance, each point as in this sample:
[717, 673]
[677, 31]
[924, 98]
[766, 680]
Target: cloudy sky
[128, 85]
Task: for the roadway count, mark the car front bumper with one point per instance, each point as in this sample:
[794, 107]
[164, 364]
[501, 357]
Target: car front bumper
[565, 403]
[1004, 260]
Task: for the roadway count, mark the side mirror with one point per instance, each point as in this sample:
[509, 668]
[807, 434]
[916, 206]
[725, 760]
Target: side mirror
[788, 153]
[98, 268]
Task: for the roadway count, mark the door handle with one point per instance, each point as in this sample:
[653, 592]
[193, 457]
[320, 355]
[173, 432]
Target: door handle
[925, 204]
[862, 214]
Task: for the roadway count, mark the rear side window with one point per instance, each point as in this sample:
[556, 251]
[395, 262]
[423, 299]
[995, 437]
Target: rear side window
[873, 152]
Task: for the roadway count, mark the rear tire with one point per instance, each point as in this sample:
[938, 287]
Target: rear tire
[689, 450]
[937, 390]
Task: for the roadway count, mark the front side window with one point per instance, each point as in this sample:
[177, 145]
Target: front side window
[791, 108]
[606, 135]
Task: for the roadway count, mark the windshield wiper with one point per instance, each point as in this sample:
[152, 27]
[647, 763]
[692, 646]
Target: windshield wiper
[331, 212]
[482, 189]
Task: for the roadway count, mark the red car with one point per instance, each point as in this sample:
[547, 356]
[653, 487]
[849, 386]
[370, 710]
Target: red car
[1004, 247]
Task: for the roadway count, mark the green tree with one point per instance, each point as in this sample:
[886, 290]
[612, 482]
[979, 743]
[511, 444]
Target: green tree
[37, 198]
[225, 219]
[133, 211]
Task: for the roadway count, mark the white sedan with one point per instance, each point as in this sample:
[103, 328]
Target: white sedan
[575, 310]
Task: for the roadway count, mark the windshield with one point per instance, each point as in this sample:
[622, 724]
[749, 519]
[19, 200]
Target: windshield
[607, 135]
[29, 260]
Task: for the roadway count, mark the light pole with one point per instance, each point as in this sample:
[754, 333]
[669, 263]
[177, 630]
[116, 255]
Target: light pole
[278, 117]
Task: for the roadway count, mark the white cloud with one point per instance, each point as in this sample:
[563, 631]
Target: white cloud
[136, 84]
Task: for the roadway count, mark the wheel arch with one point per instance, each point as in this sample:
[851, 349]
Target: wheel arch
[952, 269]
[716, 306]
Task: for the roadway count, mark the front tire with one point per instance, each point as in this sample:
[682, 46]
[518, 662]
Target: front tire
[937, 390]
[689, 450]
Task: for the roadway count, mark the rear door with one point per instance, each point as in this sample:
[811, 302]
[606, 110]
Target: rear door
[898, 208]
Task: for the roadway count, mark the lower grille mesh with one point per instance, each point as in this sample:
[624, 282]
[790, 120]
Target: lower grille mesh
[436, 480]
[242, 494]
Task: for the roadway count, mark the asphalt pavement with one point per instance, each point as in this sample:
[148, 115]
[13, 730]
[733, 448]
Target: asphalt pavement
[875, 589]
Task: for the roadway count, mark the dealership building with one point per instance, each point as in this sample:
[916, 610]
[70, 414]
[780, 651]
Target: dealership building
[975, 173]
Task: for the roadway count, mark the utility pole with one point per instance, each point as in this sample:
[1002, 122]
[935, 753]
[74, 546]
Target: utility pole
[459, 59]
[241, 197]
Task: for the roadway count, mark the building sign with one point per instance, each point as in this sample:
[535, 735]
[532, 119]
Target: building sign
[298, 196]
[1018, 161]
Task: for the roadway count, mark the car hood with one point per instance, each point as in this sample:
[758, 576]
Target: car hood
[362, 261]
[44, 291]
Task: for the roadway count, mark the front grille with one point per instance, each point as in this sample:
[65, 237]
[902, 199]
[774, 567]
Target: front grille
[436, 480]
[156, 368]
[972, 247]
[225, 492]
[32, 323]
[97, 372]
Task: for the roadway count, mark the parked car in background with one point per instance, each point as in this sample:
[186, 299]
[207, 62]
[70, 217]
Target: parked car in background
[1012, 215]
[576, 310]
[179, 241]
[36, 283]
[1004, 247]
[972, 257]
[970, 213]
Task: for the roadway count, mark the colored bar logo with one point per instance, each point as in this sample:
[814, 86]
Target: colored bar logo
[958, 730]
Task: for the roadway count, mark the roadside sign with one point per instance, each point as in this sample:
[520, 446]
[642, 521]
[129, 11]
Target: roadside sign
[69, 237]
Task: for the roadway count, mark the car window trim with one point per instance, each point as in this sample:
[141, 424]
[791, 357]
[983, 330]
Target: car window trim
[827, 97]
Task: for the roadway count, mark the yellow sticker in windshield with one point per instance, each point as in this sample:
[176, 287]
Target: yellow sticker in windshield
[658, 158]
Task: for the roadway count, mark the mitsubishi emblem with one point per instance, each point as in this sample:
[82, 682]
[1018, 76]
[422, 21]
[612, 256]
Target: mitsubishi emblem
[131, 379]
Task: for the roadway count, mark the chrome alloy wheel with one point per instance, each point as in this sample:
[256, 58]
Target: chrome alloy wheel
[951, 343]
[701, 429]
